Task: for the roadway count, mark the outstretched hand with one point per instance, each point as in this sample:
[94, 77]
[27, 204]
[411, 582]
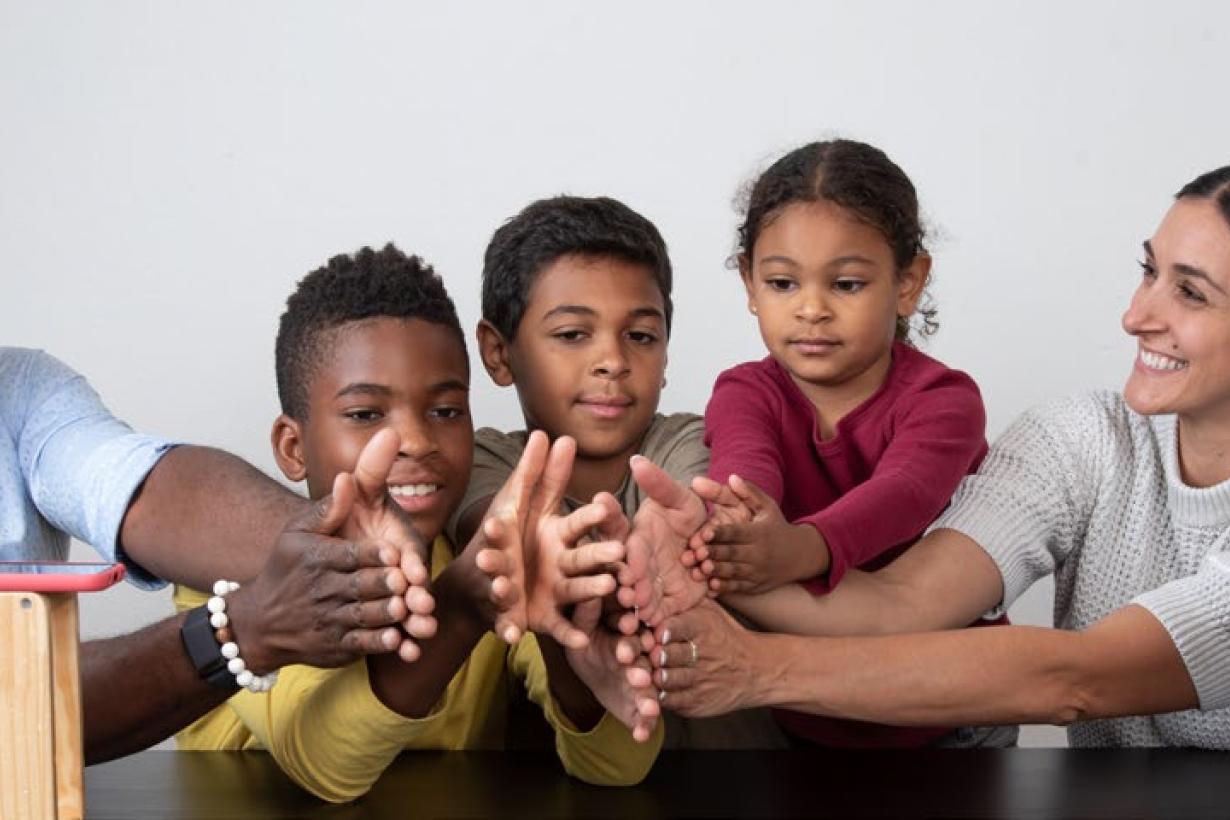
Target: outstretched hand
[340, 575]
[704, 663]
[655, 583]
[616, 669]
[747, 545]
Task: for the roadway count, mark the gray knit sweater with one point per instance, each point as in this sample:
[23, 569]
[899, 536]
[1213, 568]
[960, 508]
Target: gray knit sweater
[1090, 491]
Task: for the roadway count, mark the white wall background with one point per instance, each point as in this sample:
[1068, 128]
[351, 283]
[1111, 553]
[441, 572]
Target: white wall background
[168, 171]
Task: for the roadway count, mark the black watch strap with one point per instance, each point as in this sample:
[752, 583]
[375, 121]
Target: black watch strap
[203, 649]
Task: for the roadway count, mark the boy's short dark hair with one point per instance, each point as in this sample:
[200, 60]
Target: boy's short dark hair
[552, 228]
[367, 285]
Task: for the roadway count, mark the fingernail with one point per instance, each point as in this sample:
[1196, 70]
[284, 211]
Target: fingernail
[666, 636]
[661, 657]
[663, 677]
[661, 696]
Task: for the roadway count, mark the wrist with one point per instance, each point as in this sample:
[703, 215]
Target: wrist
[813, 551]
[253, 639]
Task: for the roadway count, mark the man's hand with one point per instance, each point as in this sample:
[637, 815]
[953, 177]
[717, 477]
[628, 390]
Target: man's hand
[655, 582]
[748, 546]
[704, 663]
[325, 600]
[616, 670]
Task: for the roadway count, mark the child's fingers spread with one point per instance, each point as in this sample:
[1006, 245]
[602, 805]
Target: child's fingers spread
[419, 601]
[564, 633]
[503, 593]
[575, 590]
[590, 558]
[507, 629]
[494, 562]
[421, 626]
[734, 533]
[409, 651]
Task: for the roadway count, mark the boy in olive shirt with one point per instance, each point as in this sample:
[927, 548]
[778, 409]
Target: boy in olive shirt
[576, 315]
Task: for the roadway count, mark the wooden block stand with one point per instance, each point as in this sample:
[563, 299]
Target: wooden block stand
[40, 706]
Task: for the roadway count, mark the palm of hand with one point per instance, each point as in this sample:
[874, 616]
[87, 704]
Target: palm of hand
[666, 587]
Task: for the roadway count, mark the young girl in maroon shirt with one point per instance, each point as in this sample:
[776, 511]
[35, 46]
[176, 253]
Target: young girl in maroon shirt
[837, 449]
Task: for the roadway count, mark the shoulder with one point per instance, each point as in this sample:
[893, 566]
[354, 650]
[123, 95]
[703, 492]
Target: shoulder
[1097, 416]
[763, 384]
[497, 446]
[33, 379]
[676, 442]
[915, 371]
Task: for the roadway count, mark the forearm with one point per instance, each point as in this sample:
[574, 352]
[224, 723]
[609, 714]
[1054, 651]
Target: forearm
[203, 514]
[162, 692]
[570, 693]
[414, 689]
[1123, 665]
[944, 581]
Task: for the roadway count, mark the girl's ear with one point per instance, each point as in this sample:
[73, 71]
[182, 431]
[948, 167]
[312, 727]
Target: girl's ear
[745, 273]
[493, 349]
[287, 439]
[911, 282]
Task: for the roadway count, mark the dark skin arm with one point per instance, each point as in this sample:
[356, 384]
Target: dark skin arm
[318, 599]
[201, 511]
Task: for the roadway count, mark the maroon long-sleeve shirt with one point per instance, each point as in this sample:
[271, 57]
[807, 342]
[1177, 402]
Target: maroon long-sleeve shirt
[890, 468]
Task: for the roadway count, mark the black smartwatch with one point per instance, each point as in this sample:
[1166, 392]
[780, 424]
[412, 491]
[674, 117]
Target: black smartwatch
[198, 636]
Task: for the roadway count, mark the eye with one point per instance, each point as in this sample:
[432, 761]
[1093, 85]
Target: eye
[569, 335]
[363, 415]
[1190, 294]
[448, 412]
[642, 337]
[849, 285]
[1147, 270]
[779, 284]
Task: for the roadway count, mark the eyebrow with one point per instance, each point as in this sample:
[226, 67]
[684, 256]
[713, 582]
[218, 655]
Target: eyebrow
[370, 388]
[839, 261]
[582, 310]
[1183, 269]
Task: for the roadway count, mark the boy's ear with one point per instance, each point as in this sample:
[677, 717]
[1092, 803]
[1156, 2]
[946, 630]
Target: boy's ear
[493, 349]
[911, 282]
[745, 273]
[287, 440]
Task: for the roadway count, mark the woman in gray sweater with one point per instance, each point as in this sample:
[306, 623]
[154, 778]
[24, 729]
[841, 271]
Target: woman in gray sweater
[1124, 498]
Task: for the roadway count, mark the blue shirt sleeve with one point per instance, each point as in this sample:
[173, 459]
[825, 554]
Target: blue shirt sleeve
[81, 465]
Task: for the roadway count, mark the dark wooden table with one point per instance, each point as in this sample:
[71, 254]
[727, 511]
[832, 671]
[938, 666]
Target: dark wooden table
[1124, 783]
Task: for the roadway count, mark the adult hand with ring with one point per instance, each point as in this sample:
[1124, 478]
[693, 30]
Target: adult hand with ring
[719, 680]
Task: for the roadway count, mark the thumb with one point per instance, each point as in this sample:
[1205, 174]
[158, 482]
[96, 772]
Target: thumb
[326, 515]
[750, 494]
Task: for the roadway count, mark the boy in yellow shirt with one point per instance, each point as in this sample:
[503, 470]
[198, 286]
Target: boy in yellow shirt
[369, 344]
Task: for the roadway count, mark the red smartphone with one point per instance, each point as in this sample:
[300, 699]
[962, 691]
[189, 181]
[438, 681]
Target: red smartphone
[57, 576]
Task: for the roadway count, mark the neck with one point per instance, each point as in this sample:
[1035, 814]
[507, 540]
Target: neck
[833, 402]
[1204, 450]
[591, 476]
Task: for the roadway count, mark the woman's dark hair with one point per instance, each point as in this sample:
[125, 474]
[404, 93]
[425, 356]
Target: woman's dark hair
[1214, 185]
[859, 178]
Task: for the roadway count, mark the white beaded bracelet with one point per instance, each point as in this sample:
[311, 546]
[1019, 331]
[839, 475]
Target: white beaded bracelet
[230, 650]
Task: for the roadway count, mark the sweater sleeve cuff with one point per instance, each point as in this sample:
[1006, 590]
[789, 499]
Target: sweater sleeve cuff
[999, 537]
[1196, 612]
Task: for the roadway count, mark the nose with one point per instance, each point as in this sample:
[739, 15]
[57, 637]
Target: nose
[1144, 314]
[417, 438]
[610, 357]
[812, 306]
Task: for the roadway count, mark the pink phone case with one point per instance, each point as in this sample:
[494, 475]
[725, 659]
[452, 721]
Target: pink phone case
[60, 582]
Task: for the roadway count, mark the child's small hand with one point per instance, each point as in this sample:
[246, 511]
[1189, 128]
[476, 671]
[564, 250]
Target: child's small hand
[762, 553]
[724, 508]
[616, 670]
[563, 567]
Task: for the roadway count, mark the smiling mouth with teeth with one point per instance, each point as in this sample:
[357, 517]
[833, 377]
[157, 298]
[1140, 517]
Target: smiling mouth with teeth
[1157, 361]
[412, 489]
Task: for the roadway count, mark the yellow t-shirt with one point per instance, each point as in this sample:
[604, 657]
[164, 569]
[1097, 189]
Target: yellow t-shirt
[333, 736]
